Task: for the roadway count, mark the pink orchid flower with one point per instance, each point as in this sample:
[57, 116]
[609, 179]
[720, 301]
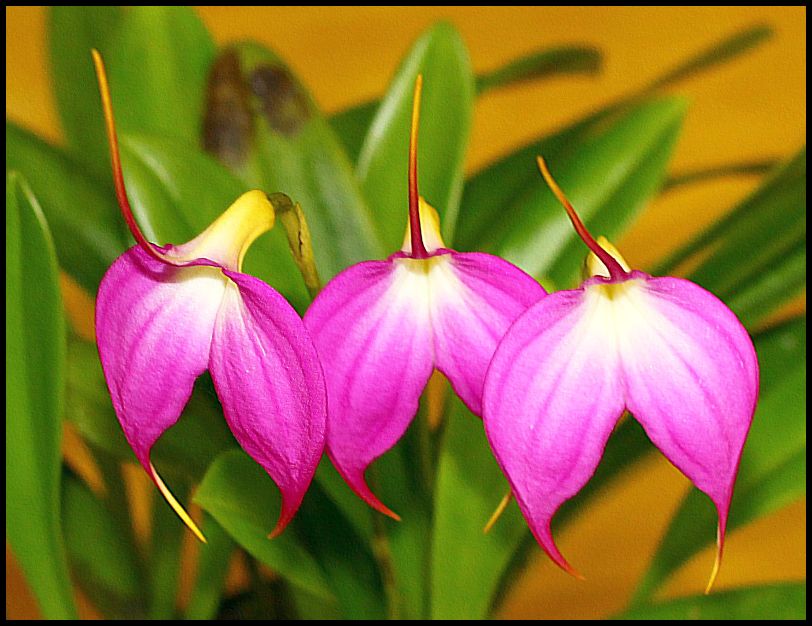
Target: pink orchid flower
[166, 314]
[664, 349]
[381, 327]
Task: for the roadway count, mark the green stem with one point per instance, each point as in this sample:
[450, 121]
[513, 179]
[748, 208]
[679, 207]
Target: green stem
[293, 221]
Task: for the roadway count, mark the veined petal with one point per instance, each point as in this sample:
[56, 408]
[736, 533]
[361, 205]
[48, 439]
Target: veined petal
[475, 297]
[552, 397]
[372, 330]
[269, 380]
[691, 379]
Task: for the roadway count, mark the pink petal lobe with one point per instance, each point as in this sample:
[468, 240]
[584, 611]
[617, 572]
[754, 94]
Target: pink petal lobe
[153, 329]
[269, 380]
[372, 330]
[475, 297]
[552, 396]
[691, 380]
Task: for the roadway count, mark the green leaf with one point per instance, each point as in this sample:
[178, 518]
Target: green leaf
[445, 123]
[245, 502]
[72, 33]
[495, 188]
[158, 62]
[177, 190]
[352, 124]
[35, 381]
[466, 564]
[725, 50]
[213, 563]
[773, 467]
[769, 602]
[754, 258]
[704, 174]
[164, 555]
[82, 213]
[102, 558]
[542, 64]
[262, 123]
[608, 179]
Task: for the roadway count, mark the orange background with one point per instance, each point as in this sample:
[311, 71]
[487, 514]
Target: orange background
[751, 108]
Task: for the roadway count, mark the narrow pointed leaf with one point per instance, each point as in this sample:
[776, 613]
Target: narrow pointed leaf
[262, 122]
[494, 188]
[701, 175]
[773, 467]
[213, 562]
[768, 602]
[110, 573]
[177, 190]
[351, 125]
[72, 33]
[35, 371]
[245, 502]
[755, 257]
[542, 64]
[608, 179]
[81, 211]
[158, 61]
[445, 122]
[725, 50]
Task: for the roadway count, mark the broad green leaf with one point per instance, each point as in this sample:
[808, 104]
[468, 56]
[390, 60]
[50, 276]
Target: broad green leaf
[72, 33]
[608, 179]
[82, 212]
[263, 124]
[35, 381]
[158, 61]
[445, 122]
[351, 125]
[177, 190]
[347, 563]
[103, 559]
[785, 601]
[466, 564]
[497, 186]
[245, 502]
[773, 467]
[213, 561]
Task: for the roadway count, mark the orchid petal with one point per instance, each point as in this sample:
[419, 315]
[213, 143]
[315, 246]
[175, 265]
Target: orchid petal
[552, 397]
[691, 380]
[146, 309]
[153, 327]
[475, 297]
[268, 378]
[372, 329]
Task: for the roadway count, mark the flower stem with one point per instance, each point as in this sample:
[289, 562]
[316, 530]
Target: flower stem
[293, 221]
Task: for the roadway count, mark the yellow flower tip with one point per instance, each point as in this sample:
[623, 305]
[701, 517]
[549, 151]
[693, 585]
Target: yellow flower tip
[228, 238]
[430, 229]
[176, 506]
[716, 564]
[500, 508]
[593, 266]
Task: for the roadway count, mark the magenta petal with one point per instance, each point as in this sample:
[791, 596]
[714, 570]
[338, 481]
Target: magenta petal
[372, 331]
[692, 381]
[268, 378]
[552, 396]
[153, 329]
[472, 309]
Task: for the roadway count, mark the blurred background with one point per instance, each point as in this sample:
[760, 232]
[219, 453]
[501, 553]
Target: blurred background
[749, 109]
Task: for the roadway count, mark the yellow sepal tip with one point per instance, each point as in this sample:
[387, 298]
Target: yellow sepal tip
[176, 506]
